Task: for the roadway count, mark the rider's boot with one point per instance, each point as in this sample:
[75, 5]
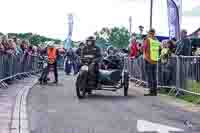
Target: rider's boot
[155, 93]
[99, 85]
[89, 92]
[151, 93]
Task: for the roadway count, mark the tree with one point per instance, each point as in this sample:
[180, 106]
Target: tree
[34, 39]
[1, 34]
[116, 36]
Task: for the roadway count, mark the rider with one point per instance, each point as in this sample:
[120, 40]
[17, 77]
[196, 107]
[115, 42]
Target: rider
[91, 49]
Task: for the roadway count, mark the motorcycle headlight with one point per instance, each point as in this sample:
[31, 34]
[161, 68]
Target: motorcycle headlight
[84, 68]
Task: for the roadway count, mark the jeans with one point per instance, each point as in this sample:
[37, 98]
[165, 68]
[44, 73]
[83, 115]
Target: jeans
[73, 65]
[151, 70]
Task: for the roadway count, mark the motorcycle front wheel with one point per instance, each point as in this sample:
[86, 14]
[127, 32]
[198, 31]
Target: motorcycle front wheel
[81, 85]
[126, 83]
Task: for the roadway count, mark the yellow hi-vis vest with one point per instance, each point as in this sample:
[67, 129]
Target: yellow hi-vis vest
[154, 49]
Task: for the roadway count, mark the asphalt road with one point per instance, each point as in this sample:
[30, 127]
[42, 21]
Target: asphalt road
[56, 109]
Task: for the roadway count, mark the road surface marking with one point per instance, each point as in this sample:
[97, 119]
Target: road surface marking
[146, 126]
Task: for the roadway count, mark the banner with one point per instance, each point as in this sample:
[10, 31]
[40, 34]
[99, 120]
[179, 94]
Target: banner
[68, 41]
[174, 12]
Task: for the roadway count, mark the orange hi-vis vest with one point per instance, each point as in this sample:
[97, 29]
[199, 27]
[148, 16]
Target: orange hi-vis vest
[52, 55]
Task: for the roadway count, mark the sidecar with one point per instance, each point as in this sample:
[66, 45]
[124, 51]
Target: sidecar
[114, 79]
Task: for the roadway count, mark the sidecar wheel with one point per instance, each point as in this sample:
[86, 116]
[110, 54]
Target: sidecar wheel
[126, 83]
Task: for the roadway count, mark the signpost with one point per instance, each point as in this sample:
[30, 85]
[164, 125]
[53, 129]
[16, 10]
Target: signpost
[130, 25]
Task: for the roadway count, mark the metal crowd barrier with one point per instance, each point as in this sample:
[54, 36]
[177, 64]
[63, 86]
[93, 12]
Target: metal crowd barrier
[12, 67]
[188, 75]
[136, 69]
[178, 74]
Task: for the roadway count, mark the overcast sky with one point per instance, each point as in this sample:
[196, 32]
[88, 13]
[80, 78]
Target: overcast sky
[49, 17]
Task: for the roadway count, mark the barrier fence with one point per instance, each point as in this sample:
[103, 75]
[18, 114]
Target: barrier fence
[12, 66]
[178, 74]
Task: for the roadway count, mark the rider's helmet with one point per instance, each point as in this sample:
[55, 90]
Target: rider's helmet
[110, 50]
[90, 41]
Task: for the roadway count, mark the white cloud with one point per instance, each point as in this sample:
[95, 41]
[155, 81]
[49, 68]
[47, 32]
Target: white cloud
[49, 17]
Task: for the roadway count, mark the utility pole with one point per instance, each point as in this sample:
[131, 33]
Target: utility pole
[151, 14]
[130, 25]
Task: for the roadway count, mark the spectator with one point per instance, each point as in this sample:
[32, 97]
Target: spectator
[4, 42]
[172, 47]
[140, 36]
[1, 48]
[24, 46]
[133, 47]
[184, 47]
[18, 49]
[164, 52]
[183, 34]
[35, 51]
[70, 62]
[10, 49]
[151, 56]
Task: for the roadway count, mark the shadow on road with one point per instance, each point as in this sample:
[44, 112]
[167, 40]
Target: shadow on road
[109, 97]
[51, 84]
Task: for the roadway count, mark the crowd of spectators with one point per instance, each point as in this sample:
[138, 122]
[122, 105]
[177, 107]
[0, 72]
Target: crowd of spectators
[169, 47]
[15, 46]
[167, 65]
[19, 56]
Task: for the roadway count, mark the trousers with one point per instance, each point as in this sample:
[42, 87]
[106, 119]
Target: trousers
[151, 71]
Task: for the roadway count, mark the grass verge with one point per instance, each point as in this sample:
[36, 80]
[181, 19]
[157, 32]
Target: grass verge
[185, 96]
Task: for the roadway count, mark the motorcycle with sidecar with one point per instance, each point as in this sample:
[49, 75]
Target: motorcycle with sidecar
[109, 78]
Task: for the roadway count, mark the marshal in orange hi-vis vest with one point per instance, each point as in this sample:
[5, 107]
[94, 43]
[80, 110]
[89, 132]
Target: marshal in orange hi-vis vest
[52, 55]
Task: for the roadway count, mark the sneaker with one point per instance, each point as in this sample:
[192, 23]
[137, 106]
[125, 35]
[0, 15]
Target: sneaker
[149, 94]
[55, 82]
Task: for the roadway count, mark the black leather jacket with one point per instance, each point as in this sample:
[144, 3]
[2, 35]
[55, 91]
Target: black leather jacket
[92, 50]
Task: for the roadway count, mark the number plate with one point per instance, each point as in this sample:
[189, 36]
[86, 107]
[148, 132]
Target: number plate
[45, 65]
[89, 56]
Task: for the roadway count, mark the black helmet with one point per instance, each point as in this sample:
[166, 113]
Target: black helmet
[81, 44]
[91, 38]
[90, 41]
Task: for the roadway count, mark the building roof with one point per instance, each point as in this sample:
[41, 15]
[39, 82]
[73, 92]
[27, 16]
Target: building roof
[195, 32]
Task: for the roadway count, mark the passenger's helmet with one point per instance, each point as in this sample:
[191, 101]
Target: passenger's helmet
[110, 50]
[81, 44]
[91, 38]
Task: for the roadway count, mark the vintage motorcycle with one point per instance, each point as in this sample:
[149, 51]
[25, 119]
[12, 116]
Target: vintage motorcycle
[109, 78]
